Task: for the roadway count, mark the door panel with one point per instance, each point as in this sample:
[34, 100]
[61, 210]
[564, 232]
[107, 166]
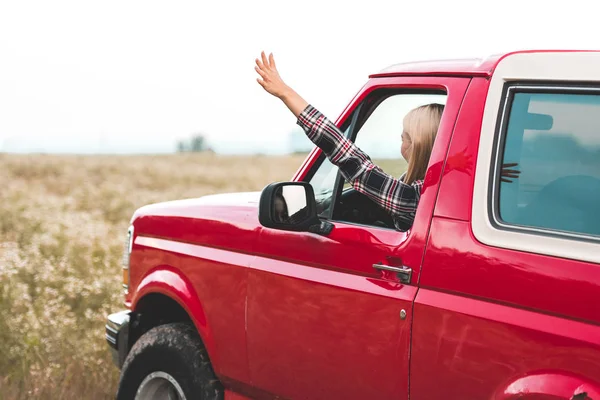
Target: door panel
[322, 334]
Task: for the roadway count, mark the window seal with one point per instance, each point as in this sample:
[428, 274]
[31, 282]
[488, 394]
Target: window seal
[508, 93]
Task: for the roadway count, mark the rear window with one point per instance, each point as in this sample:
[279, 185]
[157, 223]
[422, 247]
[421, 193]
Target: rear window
[553, 137]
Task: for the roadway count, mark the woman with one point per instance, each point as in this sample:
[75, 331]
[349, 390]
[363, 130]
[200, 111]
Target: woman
[399, 197]
[280, 211]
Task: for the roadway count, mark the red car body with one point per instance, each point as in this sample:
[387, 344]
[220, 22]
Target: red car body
[298, 315]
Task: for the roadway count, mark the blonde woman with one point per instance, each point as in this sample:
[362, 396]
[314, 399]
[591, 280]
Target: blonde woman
[399, 197]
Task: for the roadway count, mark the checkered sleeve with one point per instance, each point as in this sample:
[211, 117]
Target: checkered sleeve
[396, 197]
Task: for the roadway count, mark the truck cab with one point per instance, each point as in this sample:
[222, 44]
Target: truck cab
[490, 293]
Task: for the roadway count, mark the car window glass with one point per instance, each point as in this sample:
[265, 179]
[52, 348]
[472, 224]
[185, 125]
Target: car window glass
[323, 182]
[551, 159]
[381, 135]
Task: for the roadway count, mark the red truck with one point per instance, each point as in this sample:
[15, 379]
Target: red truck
[493, 292]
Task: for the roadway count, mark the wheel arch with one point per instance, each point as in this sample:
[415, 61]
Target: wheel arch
[165, 295]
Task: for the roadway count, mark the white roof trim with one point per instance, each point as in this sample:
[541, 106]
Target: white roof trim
[549, 66]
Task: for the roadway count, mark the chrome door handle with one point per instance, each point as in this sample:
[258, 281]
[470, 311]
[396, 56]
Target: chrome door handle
[404, 273]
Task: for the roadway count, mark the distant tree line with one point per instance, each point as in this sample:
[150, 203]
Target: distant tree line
[195, 144]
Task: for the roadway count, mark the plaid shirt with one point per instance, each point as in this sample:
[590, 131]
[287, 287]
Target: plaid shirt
[396, 197]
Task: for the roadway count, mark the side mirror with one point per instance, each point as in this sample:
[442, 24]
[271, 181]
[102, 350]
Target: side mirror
[291, 206]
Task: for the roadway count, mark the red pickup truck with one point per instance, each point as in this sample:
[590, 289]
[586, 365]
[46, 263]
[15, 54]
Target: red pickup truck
[492, 293]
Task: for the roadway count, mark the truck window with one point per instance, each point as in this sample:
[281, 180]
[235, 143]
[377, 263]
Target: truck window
[554, 138]
[379, 135]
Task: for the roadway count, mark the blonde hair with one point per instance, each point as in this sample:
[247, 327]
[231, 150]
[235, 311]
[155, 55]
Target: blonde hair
[421, 125]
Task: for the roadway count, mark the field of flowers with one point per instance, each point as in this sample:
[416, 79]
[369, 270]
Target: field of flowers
[62, 224]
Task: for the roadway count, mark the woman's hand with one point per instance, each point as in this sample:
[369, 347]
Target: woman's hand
[271, 81]
[508, 172]
[461, 161]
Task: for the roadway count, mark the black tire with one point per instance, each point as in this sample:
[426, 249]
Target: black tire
[175, 349]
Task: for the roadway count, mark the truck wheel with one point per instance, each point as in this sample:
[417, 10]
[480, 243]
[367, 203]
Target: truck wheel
[169, 362]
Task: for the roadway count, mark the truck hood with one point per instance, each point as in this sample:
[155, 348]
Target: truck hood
[202, 207]
[225, 221]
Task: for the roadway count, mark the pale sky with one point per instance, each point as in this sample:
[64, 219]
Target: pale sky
[134, 76]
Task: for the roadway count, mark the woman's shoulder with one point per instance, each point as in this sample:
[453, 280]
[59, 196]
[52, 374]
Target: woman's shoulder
[417, 184]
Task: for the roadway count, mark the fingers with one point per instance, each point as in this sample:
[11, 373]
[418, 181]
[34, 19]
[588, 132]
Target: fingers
[508, 172]
[260, 64]
[264, 59]
[269, 77]
[264, 63]
[272, 61]
[261, 73]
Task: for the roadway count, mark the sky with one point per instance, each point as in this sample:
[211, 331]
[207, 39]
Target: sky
[136, 76]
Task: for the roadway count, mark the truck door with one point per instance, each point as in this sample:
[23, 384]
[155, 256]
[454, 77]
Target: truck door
[329, 317]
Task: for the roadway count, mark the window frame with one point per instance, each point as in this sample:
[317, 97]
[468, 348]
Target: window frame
[353, 123]
[493, 195]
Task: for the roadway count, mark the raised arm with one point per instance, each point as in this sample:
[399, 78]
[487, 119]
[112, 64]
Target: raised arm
[393, 195]
[272, 83]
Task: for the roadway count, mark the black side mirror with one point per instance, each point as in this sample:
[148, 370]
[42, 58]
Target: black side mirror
[291, 206]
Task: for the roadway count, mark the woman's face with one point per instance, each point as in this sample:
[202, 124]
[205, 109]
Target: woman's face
[278, 205]
[406, 145]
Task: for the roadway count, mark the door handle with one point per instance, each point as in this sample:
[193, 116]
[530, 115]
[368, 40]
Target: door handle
[404, 273]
